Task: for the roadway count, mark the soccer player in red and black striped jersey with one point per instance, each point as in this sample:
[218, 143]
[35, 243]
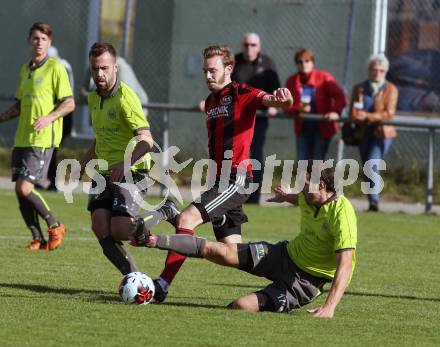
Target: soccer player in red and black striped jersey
[230, 118]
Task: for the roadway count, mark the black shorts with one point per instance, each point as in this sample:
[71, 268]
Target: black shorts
[30, 163]
[117, 199]
[291, 287]
[223, 206]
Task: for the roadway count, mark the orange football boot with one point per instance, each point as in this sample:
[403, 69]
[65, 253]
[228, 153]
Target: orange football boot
[34, 245]
[44, 246]
[56, 235]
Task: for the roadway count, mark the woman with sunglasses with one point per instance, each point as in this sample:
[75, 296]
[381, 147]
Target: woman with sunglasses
[372, 101]
[314, 91]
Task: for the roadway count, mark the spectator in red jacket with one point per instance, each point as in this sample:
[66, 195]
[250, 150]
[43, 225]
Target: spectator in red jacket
[314, 91]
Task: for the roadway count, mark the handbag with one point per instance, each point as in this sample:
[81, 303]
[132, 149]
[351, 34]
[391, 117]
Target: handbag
[353, 133]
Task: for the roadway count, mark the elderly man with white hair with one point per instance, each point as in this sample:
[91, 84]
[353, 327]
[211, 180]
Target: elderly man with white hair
[373, 101]
[256, 70]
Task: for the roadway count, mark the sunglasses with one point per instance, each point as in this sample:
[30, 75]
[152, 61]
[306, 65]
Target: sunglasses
[302, 62]
[250, 44]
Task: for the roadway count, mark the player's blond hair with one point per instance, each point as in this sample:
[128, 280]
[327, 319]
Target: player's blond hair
[224, 52]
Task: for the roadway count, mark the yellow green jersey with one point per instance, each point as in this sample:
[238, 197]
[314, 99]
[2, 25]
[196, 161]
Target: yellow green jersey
[40, 90]
[324, 231]
[115, 118]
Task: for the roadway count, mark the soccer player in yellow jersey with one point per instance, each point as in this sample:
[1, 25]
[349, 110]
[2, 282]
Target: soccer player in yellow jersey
[44, 97]
[323, 251]
[117, 117]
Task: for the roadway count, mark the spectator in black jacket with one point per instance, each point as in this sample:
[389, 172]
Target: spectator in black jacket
[257, 70]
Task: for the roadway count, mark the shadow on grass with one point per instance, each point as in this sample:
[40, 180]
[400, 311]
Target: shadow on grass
[254, 287]
[186, 304]
[404, 297]
[91, 295]
[96, 295]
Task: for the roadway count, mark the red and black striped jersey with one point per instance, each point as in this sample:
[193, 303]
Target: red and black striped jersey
[230, 119]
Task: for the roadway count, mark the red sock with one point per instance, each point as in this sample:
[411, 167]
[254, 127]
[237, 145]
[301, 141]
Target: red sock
[174, 260]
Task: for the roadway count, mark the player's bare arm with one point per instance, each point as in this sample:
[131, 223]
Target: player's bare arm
[10, 113]
[340, 282]
[144, 145]
[284, 195]
[281, 97]
[90, 154]
[64, 108]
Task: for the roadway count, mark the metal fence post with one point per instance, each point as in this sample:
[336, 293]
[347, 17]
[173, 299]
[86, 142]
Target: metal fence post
[341, 144]
[127, 28]
[81, 121]
[340, 154]
[165, 145]
[347, 65]
[430, 173]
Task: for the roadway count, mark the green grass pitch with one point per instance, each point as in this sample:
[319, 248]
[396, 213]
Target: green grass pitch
[68, 297]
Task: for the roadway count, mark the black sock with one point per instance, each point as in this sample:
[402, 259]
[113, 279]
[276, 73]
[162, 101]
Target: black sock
[42, 208]
[152, 218]
[165, 212]
[118, 256]
[30, 217]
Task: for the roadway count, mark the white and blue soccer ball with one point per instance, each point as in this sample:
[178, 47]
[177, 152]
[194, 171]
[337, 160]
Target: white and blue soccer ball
[136, 288]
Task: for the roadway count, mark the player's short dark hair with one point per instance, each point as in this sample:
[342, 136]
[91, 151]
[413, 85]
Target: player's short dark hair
[100, 48]
[224, 52]
[327, 176]
[40, 26]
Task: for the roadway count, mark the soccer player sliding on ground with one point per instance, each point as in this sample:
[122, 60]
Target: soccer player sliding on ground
[323, 251]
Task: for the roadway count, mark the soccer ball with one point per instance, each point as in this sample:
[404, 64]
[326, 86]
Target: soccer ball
[136, 288]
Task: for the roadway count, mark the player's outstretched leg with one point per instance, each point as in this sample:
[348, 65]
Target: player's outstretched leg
[188, 246]
[196, 247]
[216, 252]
